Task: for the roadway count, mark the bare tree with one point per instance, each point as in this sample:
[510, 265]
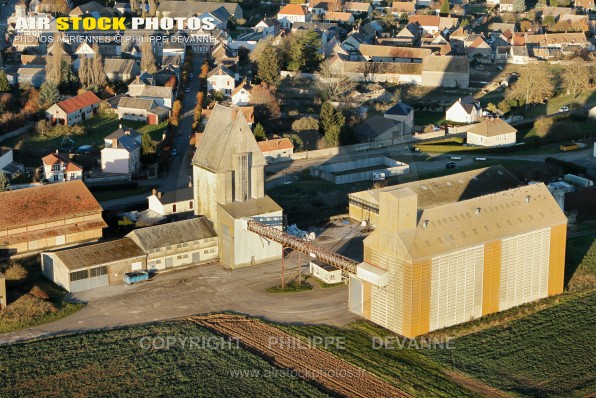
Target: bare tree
[147, 56]
[576, 76]
[54, 64]
[534, 85]
[333, 81]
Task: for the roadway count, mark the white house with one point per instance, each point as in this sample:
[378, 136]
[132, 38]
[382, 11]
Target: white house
[163, 96]
[241, 94]
[291, 13]
[58, 168]
[7, 164]
[141, 109]
[221, 79]
[277, 150]
[123, 156]
[358, 8]
[74, 110]
[172, 202]
[490, 133]
[464, 110]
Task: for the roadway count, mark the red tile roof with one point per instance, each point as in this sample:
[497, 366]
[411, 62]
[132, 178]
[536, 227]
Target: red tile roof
[78, 102]
[47, 203]
[425, 20]
[56, 158]
[275, 145]
[292, 9]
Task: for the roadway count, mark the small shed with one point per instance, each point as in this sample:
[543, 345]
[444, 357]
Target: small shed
[325, 272]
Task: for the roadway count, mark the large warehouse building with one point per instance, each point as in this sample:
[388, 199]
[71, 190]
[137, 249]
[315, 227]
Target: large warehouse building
[427, 269]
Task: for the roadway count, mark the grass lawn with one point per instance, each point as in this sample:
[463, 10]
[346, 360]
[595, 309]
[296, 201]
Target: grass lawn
[96, 129]
[117, 363]
[32, 299]
[565, 130]
[422, 118]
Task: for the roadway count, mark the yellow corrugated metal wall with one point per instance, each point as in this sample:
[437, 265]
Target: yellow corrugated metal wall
[556, 271]
[492, 277]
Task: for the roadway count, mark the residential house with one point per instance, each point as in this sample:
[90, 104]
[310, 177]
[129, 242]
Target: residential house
[358, 8]
[321, 7]
[402, 113]
[555, 11]
[8, 166]
[91, 9]
[379, 128]
[122, 155]
[479, 50]
[390, 72]
[464, 110]
[506, 5]
[268, 26]
[221, 79]
[277, 150]
[175, 202]
[378, 53]
[178, 243]
[120, 69]
[572, 41]
[163, 96]
[446, 71]
[584, 5]
[519, 55]
[96, 265]
[340, 17]
[141, 109]
[408, 36]
[74, 110]
[403, 7]
[432, 24]
[241, 94]
[58, 167]
[491, 132]
[48, 216]
[291, 13]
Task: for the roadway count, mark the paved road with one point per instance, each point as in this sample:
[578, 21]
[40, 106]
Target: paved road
[211, 288]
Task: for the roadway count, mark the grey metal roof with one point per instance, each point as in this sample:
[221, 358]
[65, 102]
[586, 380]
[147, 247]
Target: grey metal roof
[173, 233]
[128, 143]
[99, 254]
[401, 109]
[136, 103]
[118, 65]
[251, 207]
[227, 133]
[121, 132]
[157, 92]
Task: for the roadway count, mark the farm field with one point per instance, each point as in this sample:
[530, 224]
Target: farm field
[547, 354]
[113, 363]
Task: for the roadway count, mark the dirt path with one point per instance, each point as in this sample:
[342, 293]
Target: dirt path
[477, 387]
[288, 352]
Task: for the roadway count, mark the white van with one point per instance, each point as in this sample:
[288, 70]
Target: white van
[378, 176]
[480, 158]
[455, 158]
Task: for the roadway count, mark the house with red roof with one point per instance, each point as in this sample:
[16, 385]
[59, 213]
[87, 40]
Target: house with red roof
[291, 13]
[74, 110]
[277, 150]
[59, 168]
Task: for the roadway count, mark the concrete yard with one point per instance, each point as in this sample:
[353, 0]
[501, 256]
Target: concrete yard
[212, 288]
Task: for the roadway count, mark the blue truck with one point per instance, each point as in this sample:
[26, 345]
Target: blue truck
[136, 276]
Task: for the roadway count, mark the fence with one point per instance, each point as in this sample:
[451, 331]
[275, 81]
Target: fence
[347, 149]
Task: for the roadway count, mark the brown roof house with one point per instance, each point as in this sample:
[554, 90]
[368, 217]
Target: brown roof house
[59, 168]
[74, 110]
[48, 216]
[277, 150]
[491, 132]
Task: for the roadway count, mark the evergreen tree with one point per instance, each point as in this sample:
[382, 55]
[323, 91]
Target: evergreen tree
[69, 82]
[148, 149]
[260, 132]
[97, 70]
[444, 7]
[268, 66]
[304, 52]
[331, 122]
[48, 93]
[4, 85]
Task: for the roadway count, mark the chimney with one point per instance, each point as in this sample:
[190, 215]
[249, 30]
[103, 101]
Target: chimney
[159, 195]
[56, 152]
[115, 143]
[120, 126]
[154, 191]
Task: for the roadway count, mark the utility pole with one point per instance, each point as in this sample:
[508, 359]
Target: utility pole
[283, 266]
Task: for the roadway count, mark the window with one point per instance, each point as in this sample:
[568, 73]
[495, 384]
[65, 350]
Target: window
[174, 208]
[190, 204]
[212, 250]
[98, 271]
[79, 275]
[179, 245]
[185, 244]
[56, 167]
[205, 251]
[55, 177]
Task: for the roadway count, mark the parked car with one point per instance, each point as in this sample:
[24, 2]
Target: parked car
[378, 176]
[455, 158]
[173, 152]
[187, 90]
[564, 109]
[479, 158]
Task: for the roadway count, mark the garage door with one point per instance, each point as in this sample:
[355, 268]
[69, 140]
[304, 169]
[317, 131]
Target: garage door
[151, 118]
[196, 257]
[169, 262]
